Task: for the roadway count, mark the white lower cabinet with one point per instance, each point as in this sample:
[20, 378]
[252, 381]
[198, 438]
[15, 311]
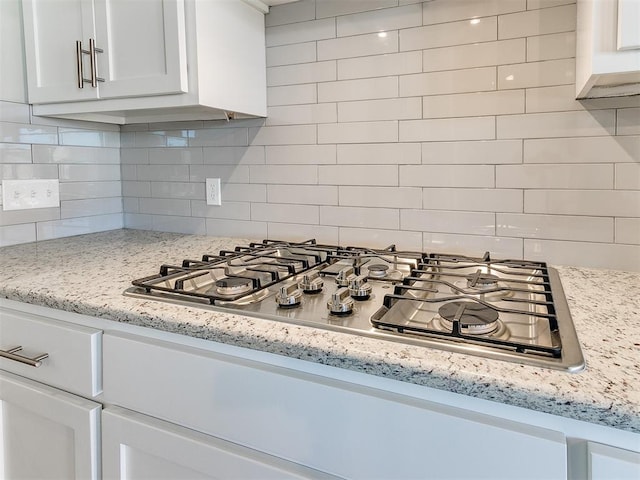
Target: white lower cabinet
[46, 433]
[607, 463]
[135, 446]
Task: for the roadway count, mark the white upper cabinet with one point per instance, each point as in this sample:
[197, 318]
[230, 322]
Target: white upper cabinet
[608, 48]
[144, 61]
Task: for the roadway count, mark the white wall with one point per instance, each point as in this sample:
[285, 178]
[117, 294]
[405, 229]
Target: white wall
[445, 135]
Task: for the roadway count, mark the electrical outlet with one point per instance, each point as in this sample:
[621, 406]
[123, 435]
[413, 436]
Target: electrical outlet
[24, 194]
[214, 194]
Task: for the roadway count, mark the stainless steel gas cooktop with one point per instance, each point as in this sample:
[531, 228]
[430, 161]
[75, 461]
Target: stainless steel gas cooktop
[512, 310]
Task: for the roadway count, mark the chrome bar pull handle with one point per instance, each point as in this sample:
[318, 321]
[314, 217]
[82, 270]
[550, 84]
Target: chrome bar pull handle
[93, 59]
[33, 362]
[79, 68]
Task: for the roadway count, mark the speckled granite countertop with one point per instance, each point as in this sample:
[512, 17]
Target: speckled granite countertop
[87, 274]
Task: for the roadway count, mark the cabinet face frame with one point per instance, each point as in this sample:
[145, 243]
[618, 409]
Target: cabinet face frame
[54, 409]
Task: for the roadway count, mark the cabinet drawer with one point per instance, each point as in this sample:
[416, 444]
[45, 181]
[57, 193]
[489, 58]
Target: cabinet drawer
[74, 351]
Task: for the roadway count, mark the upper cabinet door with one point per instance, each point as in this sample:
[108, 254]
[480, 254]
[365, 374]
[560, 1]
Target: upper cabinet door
[51, 30]
[144, 47]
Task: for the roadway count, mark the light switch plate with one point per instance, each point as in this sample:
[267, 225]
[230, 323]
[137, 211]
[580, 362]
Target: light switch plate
[25, 194]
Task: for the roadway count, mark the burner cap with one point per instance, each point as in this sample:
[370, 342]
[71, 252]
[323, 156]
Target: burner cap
[480, 280]
[475, 317]
[233, 285]
[378, 269]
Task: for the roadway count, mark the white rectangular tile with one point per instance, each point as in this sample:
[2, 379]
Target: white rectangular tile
[390, 197]
[128, 139]
[301, 154]
[138, 221]
[285, 213]
[27, 171]
[236, 228]
[291, 54]
[561, 124]
[333, 8]
[584, 254]
[135, 189]
[453, 81]
[175, 128]
[244, 192]
[14, 112]
[228, 210]
[78, 226]
[303, 194]
[360, 217]
[291, 13]
[582, 150]
[284, 174]
[628, 121]
[302, 114]
[628, 176]
[628, 230]
[379, 238]
[386, 109]
[303, 73]
[606, 203]
[367, 175]
[291, 95]
[380, 65]
[135, 156]
[358, 46]
[282, 135]
[473, 199]
[64, 154]
[474, 223]
[130, 205]
[474, 55]
[17, 234]
[297, 232]
[555, 227]
[233, 155]
[365, 89]
[535, 4]
[14, 217]
[129, 172]
[90, 206]
[358, 132]
[165, 206]
[482, 152]
[455, 176]
[379, 153]
[177, 156]
[447, 34]
[88, 138]
[15, 153]
[188, 190]
[219, 137]
[553, 46]
[499, 247]
[447, 11]
[158, 173]
[88, 173]
[227, 173]
[568, 176]
[552, 99]
[537, 74]
[380, 20]
[178, 224]
[80, 190]
[537, 22]
[473, 104]
[23, 133]
[447, 129]
[300, 32]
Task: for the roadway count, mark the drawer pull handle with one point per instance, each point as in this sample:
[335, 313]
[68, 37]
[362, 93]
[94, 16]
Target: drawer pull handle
[11, 355]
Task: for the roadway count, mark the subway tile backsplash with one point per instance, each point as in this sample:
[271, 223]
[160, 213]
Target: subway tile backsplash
[438, 126]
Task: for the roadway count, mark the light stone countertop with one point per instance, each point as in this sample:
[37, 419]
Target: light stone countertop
[87, 274]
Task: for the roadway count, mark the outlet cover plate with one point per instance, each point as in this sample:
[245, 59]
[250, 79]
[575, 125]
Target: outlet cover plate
[25, 194]
[214, 192]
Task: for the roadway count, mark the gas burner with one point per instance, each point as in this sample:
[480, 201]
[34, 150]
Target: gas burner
[481, 280]
[474, 318]
[233, 286]
[378, 270]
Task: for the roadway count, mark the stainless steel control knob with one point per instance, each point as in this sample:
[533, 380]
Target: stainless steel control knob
[345, 276]
[341, 302]
[359, 288]
[311, 283]
[289, 296]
